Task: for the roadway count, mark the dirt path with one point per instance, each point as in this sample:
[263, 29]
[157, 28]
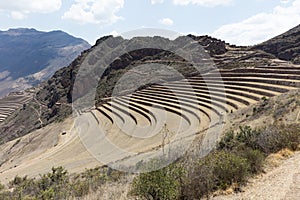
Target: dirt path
[281, 183]
[38, 112]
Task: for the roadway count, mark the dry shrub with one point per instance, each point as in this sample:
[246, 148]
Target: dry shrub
[286, 153]
[218, 171]
[276, 138]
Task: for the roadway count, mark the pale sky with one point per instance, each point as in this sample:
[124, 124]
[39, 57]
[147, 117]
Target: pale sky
[242, 22]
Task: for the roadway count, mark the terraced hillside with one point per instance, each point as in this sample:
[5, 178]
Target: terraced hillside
[13, 102]
[187, 107]
[58, 90]
[209, 94]
[151, 121]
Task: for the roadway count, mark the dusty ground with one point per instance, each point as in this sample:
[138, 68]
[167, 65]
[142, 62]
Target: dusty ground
[280, 183]
[283, 181]
[41, 150]
[38, 152]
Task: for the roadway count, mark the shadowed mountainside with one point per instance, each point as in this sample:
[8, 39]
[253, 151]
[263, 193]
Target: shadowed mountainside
[28, 56]
[285, 46]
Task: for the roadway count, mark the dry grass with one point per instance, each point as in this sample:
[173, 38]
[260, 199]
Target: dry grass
[116, 190]
[228, 191]
[275, 159]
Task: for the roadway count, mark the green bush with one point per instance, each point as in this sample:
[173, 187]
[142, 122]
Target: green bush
[244, 137]
[5, 196]
[58, 184]
[81, 188]
[2, 187]
[218, 170]
[54, 185]
[229, 168]
[200, 180]
[247, 136]
[255, 158]
[268, 140]
[48, 194]
[163, 184]
[228, 141]
[58, 176]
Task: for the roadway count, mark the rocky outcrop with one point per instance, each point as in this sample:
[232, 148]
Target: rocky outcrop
[213, 45]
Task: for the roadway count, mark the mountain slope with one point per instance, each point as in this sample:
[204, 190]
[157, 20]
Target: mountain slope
[28, 56]
[285, 46]
[244, 104]
[57, 91]
[248, 87]
[54, 97]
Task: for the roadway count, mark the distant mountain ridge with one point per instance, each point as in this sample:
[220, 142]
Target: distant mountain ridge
[28, 56]
[285, 46]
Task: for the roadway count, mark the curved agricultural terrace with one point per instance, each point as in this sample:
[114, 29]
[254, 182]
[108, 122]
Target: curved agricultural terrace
[134, 123]
[11, 103]
[147, 123]
[201, 99]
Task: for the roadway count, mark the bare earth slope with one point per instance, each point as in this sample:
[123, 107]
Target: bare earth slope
[37, 152]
